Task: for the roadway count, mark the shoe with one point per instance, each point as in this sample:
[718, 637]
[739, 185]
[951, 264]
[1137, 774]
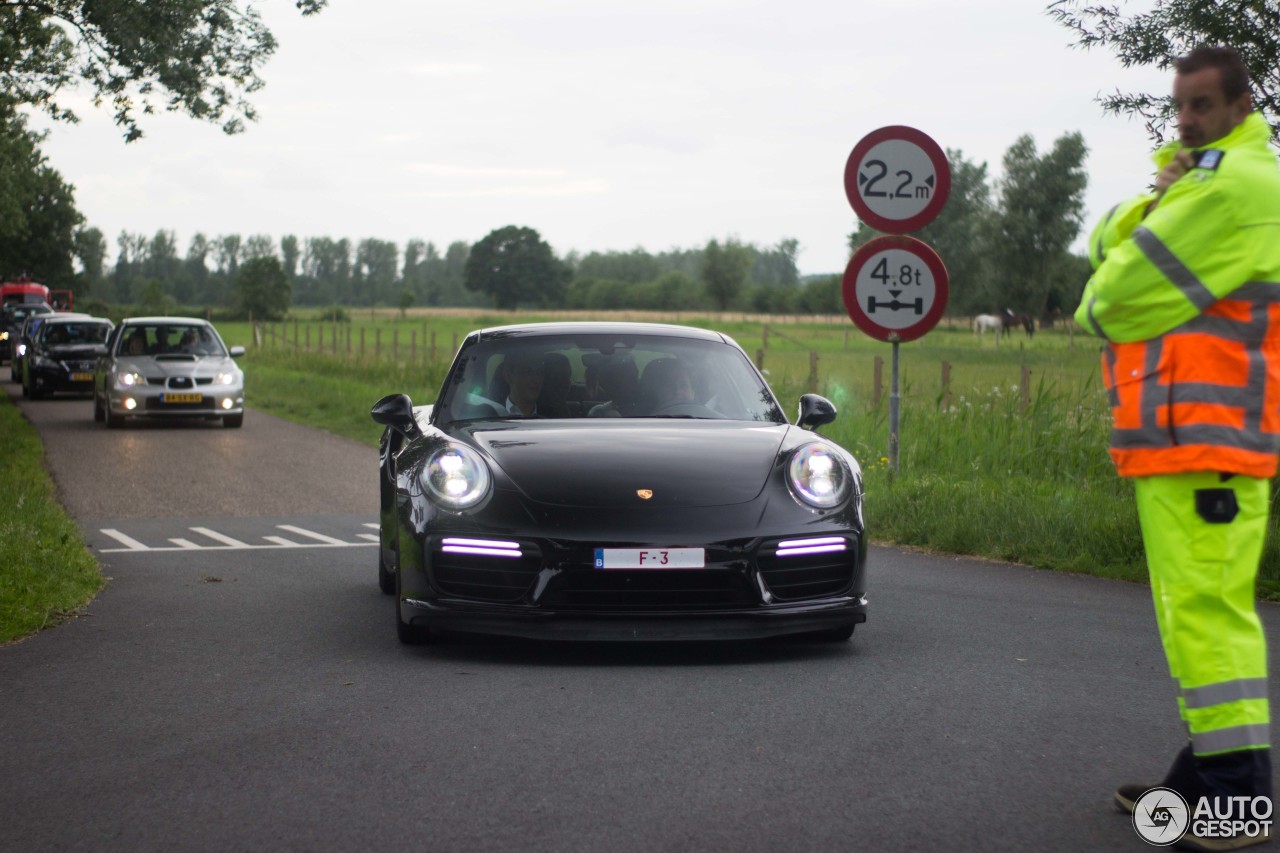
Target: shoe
[1126, 796]
[1191, 841]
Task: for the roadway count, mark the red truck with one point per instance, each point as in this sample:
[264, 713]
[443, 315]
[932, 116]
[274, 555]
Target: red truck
[23, 290]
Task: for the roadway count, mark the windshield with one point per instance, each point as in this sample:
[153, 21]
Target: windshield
[60, 334]
[605, 376]
[169, 339]
[14, 314]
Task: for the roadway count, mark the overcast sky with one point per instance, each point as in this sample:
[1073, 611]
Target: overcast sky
[603, 124]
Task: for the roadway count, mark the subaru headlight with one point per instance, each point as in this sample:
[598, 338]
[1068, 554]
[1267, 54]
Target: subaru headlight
[226, 377]
[456, 477]
[818, 477]
[130, 378]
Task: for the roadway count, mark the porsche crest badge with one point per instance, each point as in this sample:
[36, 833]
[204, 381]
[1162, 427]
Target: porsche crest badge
[644, 494]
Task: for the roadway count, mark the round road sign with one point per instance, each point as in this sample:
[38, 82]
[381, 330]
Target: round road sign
[895, 288]
[897, 179]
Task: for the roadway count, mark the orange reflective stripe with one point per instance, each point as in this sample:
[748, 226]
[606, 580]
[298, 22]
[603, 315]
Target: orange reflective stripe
[1206, 413]
[1205, 396]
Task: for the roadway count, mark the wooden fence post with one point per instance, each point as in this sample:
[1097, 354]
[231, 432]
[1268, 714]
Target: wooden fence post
[760, 359]
[308, 334]
[813, 371]
[413, 346]
[395, 345]
[946, 385]
[362, 343]
[377, 342]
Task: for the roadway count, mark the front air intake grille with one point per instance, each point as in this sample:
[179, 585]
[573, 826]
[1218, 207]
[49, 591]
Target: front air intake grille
[485, 571]
[800, 570]
[649, 590]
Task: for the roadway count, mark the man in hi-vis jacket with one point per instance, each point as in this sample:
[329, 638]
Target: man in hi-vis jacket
[1186, 292]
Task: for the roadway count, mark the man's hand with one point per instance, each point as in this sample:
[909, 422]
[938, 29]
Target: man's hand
[1181, 163]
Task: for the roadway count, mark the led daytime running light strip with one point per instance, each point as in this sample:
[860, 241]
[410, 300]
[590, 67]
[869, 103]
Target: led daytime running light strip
[481, 547]
[800, 547]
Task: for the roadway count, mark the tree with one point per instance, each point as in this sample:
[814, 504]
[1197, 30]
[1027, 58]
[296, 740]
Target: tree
[38, 215]
[91, 253]
[514, 265]
[200, 57]
[724, 271]
[262, 288]
[1040, 212]
[1170, 30]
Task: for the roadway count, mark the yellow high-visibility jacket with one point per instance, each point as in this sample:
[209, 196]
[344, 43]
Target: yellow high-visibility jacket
[1188, 298]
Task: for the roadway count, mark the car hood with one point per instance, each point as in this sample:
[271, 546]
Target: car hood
[177, 365]
[74, 352]
[682, 462]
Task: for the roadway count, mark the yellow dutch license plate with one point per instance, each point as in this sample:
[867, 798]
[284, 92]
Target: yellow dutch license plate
[82, 377]
[183, 398]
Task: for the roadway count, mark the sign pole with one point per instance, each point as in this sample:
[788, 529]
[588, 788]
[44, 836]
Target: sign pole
[895, 404]
[895, 287]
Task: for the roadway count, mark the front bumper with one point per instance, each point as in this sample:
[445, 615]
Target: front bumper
[535, 587]
[544, 624]
[62, 377]
[151, 403]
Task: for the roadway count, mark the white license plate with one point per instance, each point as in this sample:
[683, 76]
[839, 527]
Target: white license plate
[650, 558]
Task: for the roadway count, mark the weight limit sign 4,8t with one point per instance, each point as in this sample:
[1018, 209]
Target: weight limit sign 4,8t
[895, 288]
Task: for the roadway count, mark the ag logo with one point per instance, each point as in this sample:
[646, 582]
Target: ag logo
[1161, 816]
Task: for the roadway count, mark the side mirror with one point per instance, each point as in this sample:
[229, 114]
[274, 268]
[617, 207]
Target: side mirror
[395, 411]
[815, 411]
[236, 351]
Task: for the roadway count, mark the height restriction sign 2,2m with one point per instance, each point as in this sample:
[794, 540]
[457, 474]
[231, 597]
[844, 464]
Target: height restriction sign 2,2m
[895, 288]
[897, 179]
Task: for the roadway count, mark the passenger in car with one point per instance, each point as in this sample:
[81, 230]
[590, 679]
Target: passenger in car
[524, 373]
[665, 383]
[137, 343]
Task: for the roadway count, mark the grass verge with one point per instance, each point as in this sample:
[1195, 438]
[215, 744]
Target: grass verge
[46, 573]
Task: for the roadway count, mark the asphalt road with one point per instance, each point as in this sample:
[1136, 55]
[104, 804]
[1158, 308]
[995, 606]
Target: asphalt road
[238, 686]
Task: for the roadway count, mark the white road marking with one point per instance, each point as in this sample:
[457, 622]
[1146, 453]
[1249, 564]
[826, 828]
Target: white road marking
[129, 543]
[228, 543]
[218, 537]
[319, 537]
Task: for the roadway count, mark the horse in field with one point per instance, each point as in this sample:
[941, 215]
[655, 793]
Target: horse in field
[984, 323]
[1010, 320]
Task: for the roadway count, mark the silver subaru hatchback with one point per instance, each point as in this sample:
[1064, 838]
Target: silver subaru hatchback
[165, 367]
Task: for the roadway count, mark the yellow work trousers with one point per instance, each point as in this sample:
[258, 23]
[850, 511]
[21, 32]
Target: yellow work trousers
[1203, 535]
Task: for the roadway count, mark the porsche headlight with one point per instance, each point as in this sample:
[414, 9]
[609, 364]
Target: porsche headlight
[4, 336]
[456, 477]
[130, 378]
[817, 477]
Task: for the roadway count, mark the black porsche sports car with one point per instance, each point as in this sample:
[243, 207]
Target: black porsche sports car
[616, 481]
